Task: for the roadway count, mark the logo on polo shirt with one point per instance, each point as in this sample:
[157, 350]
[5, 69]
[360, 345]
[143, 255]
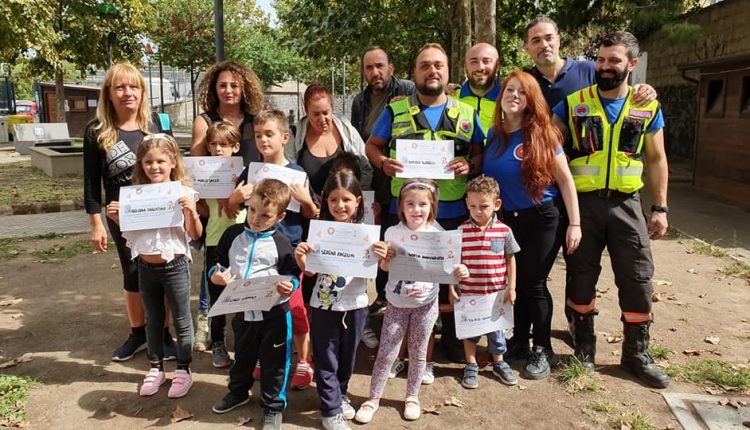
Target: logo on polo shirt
[581, 109]
[518, 152]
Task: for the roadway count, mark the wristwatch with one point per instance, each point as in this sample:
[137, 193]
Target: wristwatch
[659, 208]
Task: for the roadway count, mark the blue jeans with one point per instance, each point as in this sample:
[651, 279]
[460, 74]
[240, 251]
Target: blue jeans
[495, 342]
[171, 281]
[203, 295]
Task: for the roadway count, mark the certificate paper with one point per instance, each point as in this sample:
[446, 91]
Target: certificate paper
[143, 207]
[425, 158]
[368, 198]
[477, 315]
[343, 249]
[425, 256]
[214, 177]
[255, 294]
[256, 172]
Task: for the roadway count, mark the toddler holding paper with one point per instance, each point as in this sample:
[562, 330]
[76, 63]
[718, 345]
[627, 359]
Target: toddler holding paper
[411, 305]
[487, 251]
[271, 136]
[163, 255]
[339, 306]
[252, 250]
[222, 140]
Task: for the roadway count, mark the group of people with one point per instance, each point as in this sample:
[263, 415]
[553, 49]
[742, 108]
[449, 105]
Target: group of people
[545, 159]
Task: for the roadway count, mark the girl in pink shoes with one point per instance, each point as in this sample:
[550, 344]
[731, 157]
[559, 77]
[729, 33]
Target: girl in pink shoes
[163, 257]
[411, 305]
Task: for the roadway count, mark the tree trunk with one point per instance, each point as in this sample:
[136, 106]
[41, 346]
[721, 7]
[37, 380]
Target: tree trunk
[461, 39]
[485, 12]
[60, 94]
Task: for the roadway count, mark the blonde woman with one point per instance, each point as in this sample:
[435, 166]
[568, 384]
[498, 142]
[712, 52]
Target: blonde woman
[123, 118]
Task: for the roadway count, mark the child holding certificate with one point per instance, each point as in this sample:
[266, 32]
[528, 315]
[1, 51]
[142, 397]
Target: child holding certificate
[487, 251]
[222, 140]
[271, 136]
[339, 307]
[411, 305]
[163, 255]
[254, 249]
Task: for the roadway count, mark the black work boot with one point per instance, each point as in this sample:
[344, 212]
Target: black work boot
[585, 338]
[636, 359]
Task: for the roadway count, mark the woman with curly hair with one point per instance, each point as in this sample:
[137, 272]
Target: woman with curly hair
[524, 154]
[229, 91]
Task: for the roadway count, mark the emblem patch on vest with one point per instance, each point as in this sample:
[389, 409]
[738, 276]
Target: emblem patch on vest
[641, 113]
[465, 126]
[581, 109]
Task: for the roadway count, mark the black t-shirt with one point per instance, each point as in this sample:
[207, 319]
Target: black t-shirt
[248, 150]
[316, 167]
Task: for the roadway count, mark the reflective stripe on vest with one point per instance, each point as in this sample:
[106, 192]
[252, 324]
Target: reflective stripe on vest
[456, 124]
[607, 156]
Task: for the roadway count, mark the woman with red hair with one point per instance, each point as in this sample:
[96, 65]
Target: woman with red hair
[524, 154]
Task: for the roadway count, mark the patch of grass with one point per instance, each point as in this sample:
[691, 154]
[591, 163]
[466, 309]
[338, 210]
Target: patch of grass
[22, 184]
[712, 371]
[78, 247]
[659, 352]
[604, 406]
[8, 248]
[708, 249]
[635, 421]
[576, 377]
[738, 269]
[47, 236]
[13, 392]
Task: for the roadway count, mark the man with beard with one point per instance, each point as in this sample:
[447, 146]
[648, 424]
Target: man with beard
[367, 106]
[481, 88]
[431, 115]
[611, 140]
[559, 76]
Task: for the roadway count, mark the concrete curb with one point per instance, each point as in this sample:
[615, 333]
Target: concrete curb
[38, 208]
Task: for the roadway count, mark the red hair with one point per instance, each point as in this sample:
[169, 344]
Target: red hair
[314, 92]
[540, 137]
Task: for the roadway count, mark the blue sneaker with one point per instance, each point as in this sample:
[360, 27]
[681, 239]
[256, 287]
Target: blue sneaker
[503, 371]
[471, 376]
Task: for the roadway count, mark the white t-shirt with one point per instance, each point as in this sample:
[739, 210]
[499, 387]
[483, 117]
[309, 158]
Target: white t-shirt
[339, 293]
[165, 242]
[407, 294]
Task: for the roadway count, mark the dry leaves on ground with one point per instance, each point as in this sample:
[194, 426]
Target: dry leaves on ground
[180, 414]
[11, 302]
[453, 401]
[241, 421]
[713, 340]
[22, 359]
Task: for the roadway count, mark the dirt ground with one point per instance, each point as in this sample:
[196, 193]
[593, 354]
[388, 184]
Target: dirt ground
[72, 319]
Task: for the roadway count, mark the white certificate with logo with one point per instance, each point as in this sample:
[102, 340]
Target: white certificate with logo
[214, 177]
[343, 249]
[481, 314]
[368, 199]
[426, 256]
[256, 172]
[143, 207]
[254, 294]
[425, 158]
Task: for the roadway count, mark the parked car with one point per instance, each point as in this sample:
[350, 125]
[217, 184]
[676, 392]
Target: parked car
[25, 107]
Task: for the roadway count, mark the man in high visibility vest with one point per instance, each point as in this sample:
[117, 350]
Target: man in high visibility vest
[611, 142]
[432, 115]
[481, 88]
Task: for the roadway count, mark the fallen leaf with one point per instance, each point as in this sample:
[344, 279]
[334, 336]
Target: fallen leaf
[10, 302]
[714, 391]
[657, 297]
[241, 421]
[522, 387]
[453, 401]
[693, 352]
[662, 283]
[614, 339]
[691, 270]
[17, 316]
[673, 329]
[615, 353]
[435, 410]
[180, 414]
[22, 359]
[724, 401]
[713, 340]
[602, 290]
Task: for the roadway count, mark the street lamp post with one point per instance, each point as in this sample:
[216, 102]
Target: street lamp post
[105, 10]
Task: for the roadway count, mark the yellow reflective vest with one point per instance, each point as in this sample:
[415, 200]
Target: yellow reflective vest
[456, 124]
[604, 155]
[484, 105]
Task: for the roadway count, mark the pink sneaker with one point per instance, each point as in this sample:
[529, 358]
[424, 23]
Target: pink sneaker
[151, 383]
[182, 380]
[256, 371]
[303, 376]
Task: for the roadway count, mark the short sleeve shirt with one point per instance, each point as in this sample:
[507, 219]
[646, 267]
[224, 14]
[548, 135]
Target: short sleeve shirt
[484, 254]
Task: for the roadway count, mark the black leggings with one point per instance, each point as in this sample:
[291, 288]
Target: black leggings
[539, 231]
[128, 266]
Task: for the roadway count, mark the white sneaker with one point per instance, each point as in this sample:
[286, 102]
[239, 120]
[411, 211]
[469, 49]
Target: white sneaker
[347, 410]
[202, 336]
[429, 375]
[369, 338]
[398, 367]
[336, 422]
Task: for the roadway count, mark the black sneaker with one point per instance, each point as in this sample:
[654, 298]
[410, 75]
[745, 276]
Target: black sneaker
[517, 350]
[128, 349]
[229, 402]
[378, 307]
[271, 420]
[538, 364]
[170, 349]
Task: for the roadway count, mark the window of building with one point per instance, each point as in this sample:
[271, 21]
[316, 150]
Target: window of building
[77, 103]
[715, 95]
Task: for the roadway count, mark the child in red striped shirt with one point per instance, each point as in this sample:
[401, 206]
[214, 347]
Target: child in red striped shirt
[487, 250]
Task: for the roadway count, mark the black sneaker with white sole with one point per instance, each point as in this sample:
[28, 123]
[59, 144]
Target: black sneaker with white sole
[229, 402]
[127, 350]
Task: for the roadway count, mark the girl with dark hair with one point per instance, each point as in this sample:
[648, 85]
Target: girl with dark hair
[524, 154]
